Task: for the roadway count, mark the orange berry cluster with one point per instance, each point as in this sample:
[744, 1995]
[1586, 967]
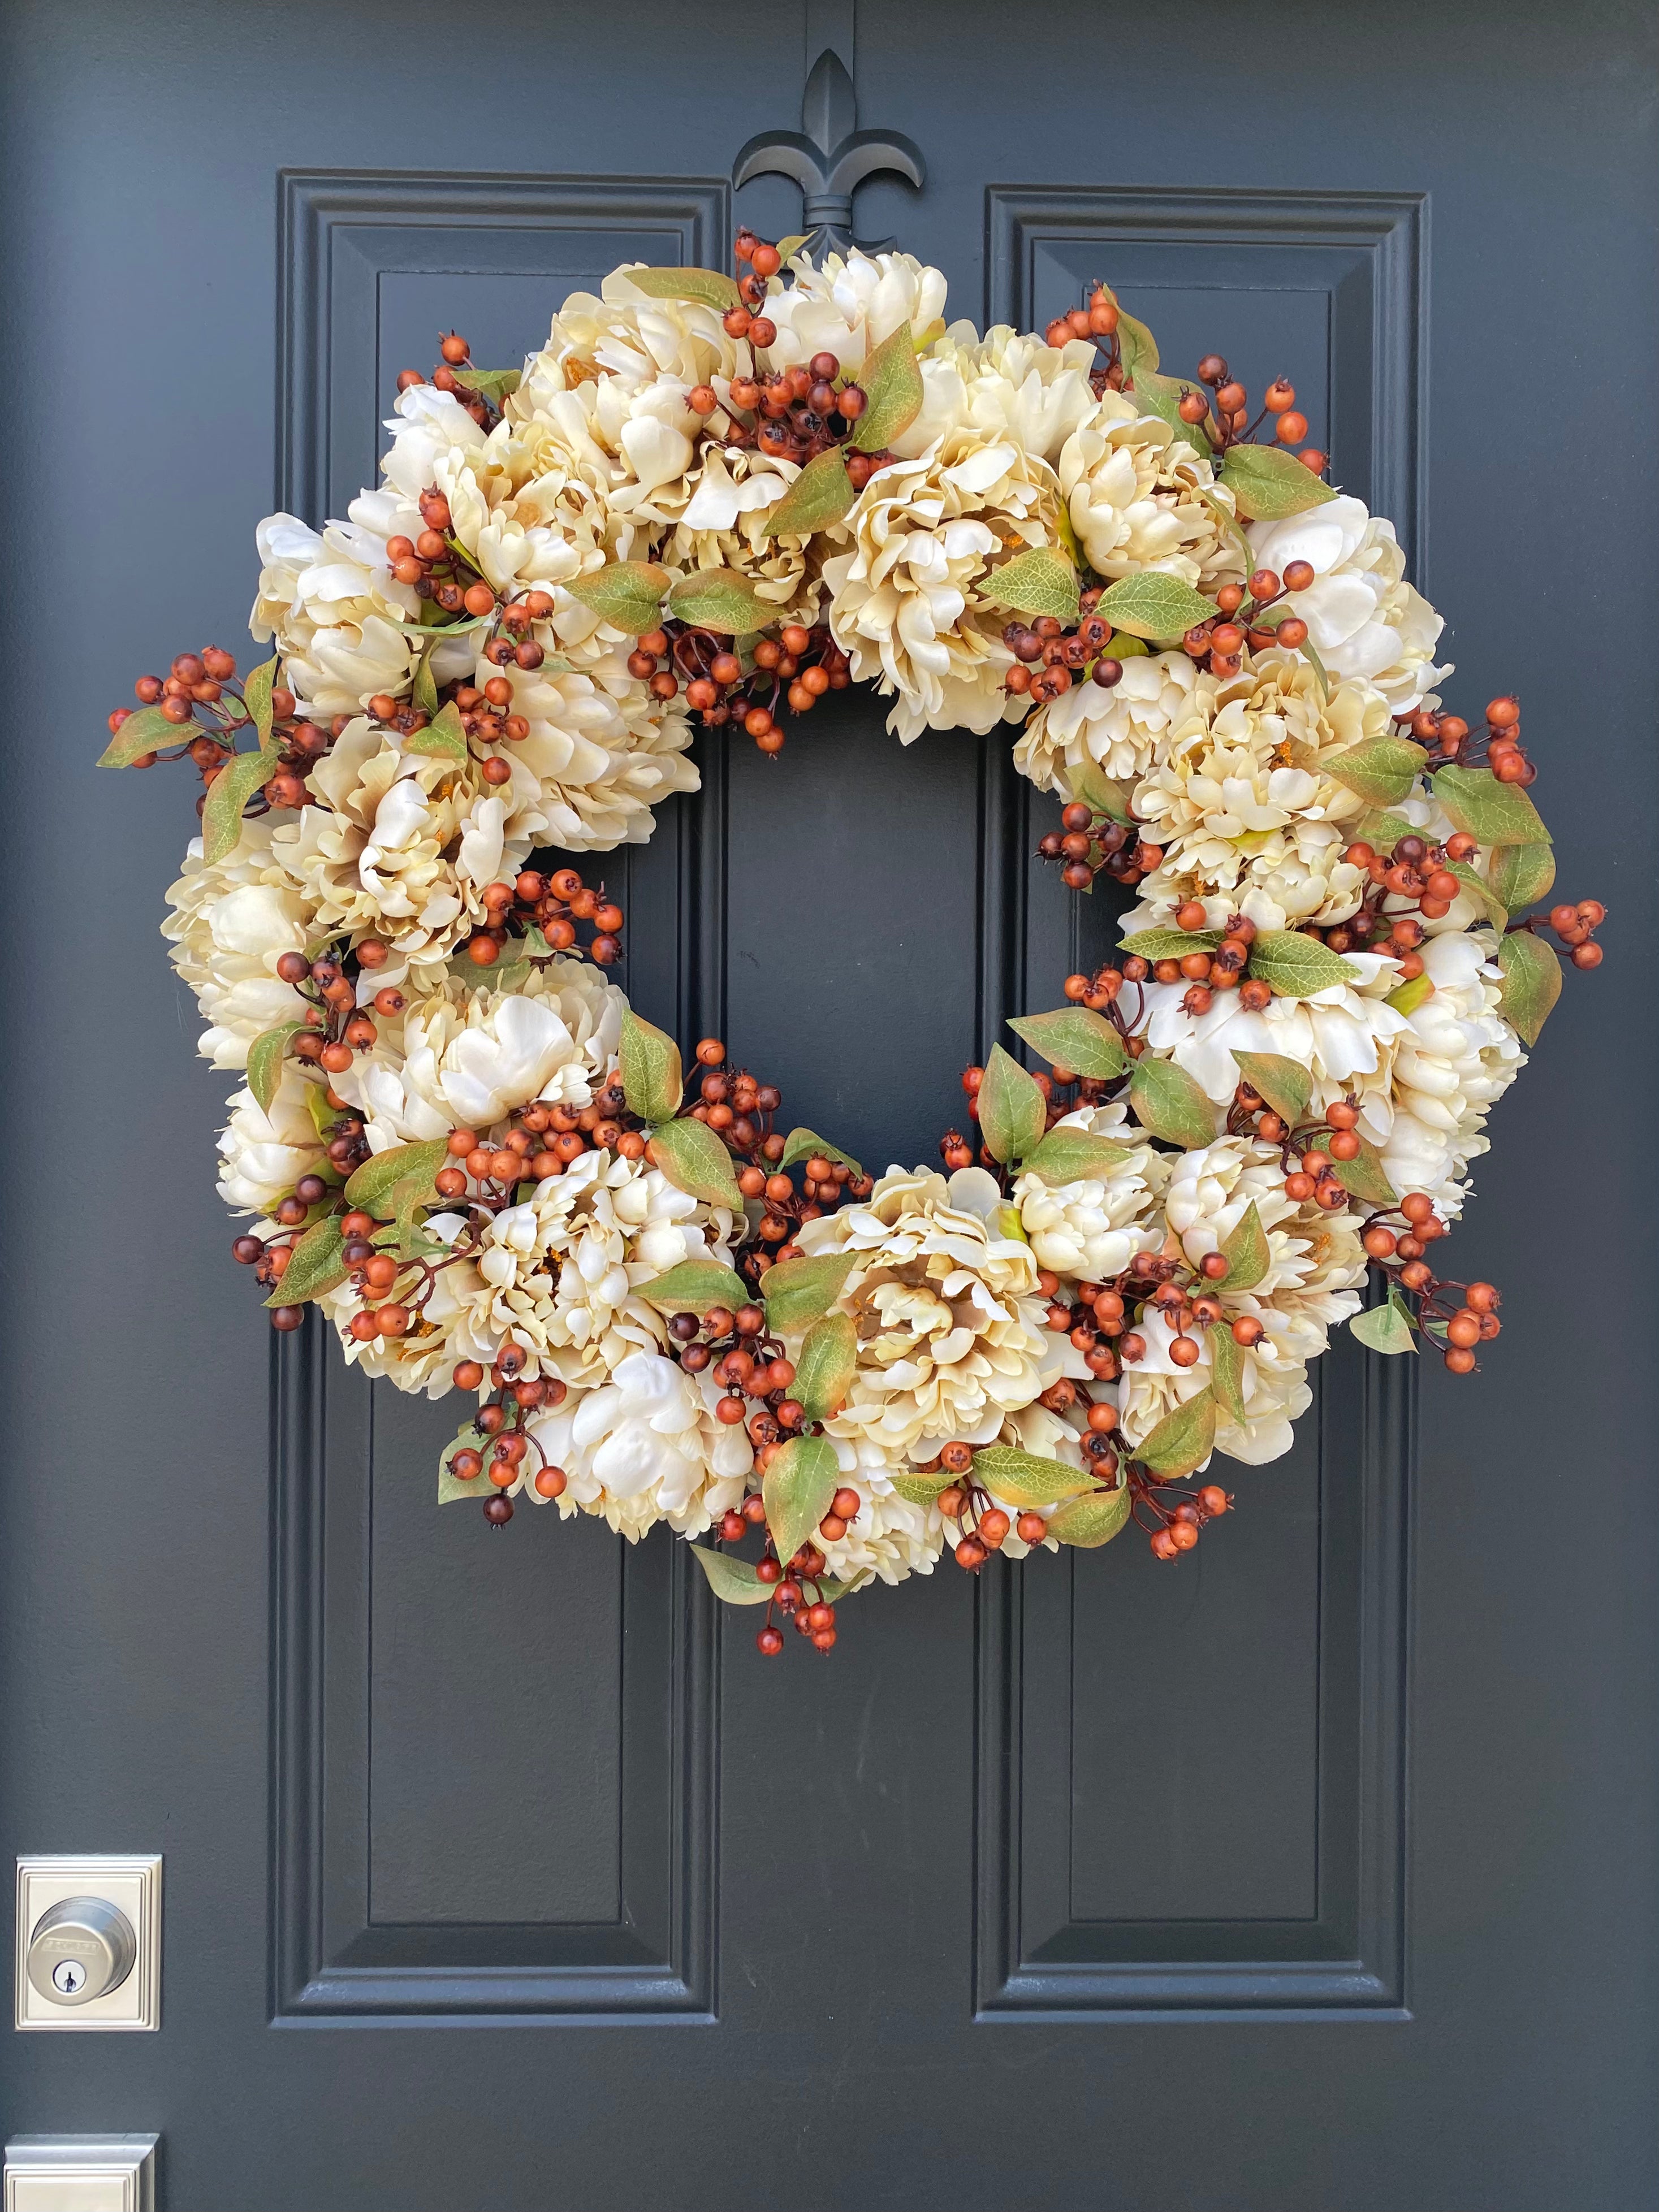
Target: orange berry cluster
[455, 372]
[796, 666]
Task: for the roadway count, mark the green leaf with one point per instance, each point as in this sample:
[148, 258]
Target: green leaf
[265, 1056]
[824, 1373]
[802, 1144]
[1182, 1440]
[316, 1266]
[733, 1581]
[1011, 1109]
[1103, 793]
[1039, 582]
[820, 495]
[796, 1291]
[257, 687]
[1381, 770]
[1154, 606]
[1088, 1523]
[323, 1117]
[1383, 830]
[1245, 1250]
[1406, 998]
[627, 594]
[1073, 1156]
[1284, 1084]
[1022, 1478]
[410, 1196]
[1481, 892]
[707, 287]
[444, 737]
[694, 1159]
[1387, 1328]
[696, 1286]
[1365, 1175]
[146, 731]
[1296, 965]
[1164, 1099]
[425, 690]
[490, 384]
[450, 1486]
[1161, 395]
[1171, 944]
[1531, 984]
[1227, 1373]
[1269, 484]
[891, 381]
[371, 1186]
[799, 1487]
[919, 1489]
[1137, 348]
[229, 795]
[653, 1074]
[1494, 813]
[719, 599]
[1075, 1037]
[1521, 875]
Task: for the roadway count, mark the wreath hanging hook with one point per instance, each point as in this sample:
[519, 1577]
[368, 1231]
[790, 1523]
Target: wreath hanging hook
[829, 157]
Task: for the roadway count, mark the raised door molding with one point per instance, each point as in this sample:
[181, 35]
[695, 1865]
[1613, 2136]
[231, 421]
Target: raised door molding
[1323, 1934]
[637, 1940]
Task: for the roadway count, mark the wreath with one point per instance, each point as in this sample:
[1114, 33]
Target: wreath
[712, 500]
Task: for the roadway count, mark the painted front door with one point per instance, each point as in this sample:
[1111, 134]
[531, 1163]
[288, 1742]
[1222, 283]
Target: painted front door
[1317, 1871]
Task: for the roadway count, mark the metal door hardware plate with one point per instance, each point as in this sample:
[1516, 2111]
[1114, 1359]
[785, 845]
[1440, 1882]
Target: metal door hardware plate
[88, 1943]
[80, 2173]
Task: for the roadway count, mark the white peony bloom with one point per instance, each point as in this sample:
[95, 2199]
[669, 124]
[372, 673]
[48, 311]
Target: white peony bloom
[558, 1274]
[1121, 731]
[626, 335]
[890, 1537]
[1090, 1230]
[1364, 620]
[335, 610]
[1424, 1079]
[949, 1319]
[1316, 1267]
[1140, 497]
[1238, 800]
[399, 845]
[263, 1155]
[1007, 385]
[904, 604]
[228, 925]
[469, 1054]
[848, 305]
[645, 1447]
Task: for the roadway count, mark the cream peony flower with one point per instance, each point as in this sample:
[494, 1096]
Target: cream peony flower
[399, 845]
[335, 611]
[626, 335]
[467, 1055]
[951, 1336]
[1363, 618]
[904, 607]
[1140, 497]
[263, 1155]
[1090, 1230]
[723, 525]
[1121, 732]
[1316, 1265]
[848, 305]
[645, 1447]
[228, 925]
[1003, 386]
[1237, 800]
[1424, 1081]
[557, 1274]
[889, 1537]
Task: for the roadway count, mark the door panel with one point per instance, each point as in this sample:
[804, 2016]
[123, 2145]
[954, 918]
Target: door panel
[499, 1872]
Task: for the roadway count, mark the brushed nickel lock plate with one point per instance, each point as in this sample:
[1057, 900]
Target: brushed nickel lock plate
[88, 1953]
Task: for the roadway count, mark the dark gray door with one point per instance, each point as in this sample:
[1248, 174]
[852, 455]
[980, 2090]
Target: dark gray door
[1318, 1872]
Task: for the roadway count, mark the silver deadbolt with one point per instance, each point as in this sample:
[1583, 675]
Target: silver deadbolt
[81, 1948]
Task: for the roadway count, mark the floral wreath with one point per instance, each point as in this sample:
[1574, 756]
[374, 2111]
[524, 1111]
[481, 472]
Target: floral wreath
[713, 499]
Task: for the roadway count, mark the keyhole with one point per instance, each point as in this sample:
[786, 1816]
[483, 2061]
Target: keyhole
[70, 1976]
